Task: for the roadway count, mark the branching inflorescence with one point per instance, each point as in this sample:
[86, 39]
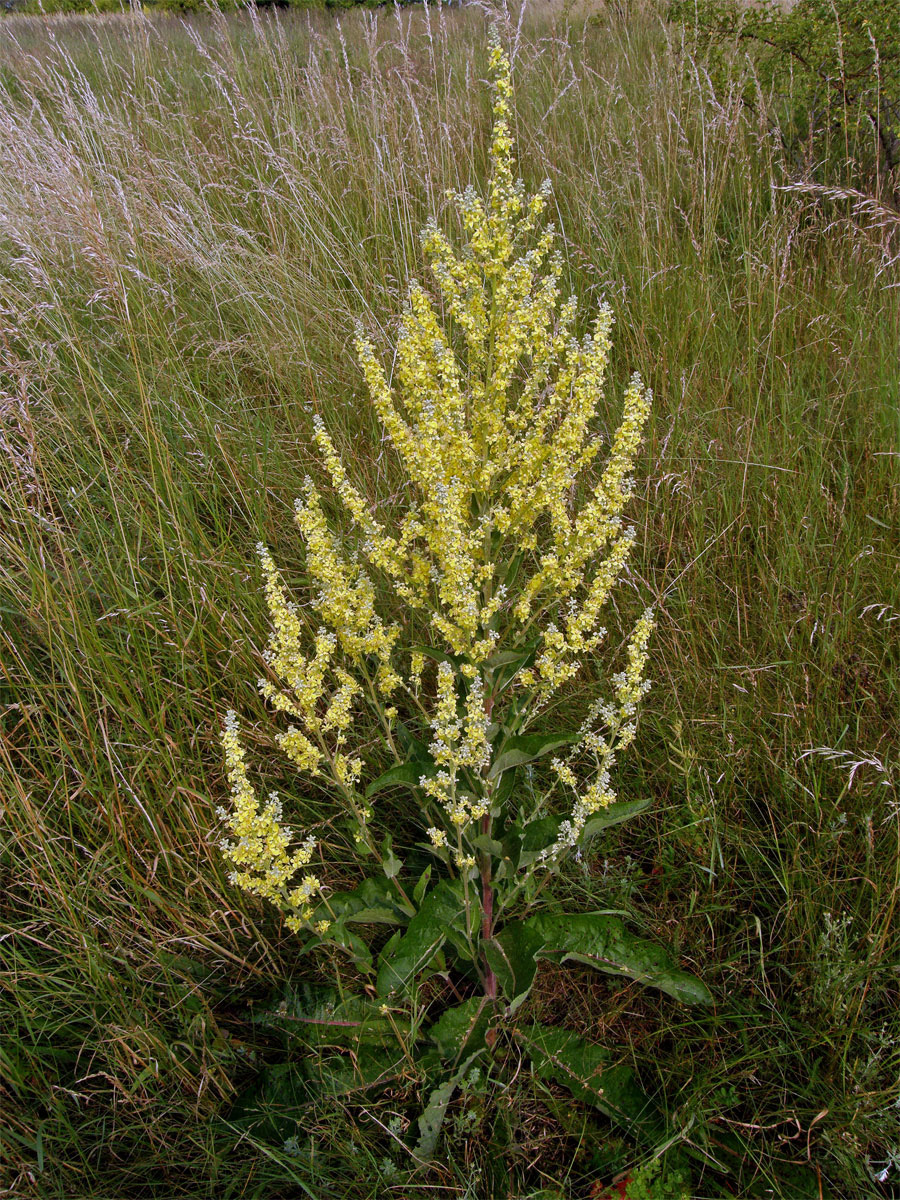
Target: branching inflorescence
[491, 412]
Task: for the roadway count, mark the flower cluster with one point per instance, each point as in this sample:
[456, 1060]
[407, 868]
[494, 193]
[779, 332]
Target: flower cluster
[459, 742]
[260, 855]
[607, 729]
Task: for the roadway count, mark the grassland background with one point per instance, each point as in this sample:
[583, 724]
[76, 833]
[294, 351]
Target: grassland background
[192, 216]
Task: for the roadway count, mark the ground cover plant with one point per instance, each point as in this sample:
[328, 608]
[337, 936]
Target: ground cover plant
[193, 217]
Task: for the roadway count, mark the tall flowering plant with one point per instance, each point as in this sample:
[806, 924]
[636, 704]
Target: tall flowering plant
[511, 543]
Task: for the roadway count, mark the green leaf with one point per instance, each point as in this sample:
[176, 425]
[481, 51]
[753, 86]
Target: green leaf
[621, 811]
[507, 665]
[520, 750]
[603, 942]
[375, 902]
[351, 943]
[512, 571]
[512, 956]
[391, 865]
[344, 1074]
[585, 1069]
[416, 749]
[432, 1118]
[539, 834]
[488, 845]
[405, 774]
[505, 787]
[437, 655]
[270, 1104]
[321, 1018]
[515, 969]
[461, 1030]
[426, 933]
[504, 657]
[419, 889]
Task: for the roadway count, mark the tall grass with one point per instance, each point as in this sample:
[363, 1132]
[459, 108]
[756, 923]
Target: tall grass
[192, 215]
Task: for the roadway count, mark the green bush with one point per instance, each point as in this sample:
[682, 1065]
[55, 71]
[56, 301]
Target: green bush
[833, 70]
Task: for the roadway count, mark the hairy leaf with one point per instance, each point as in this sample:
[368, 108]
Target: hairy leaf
[512, 956]
[585, 1070]
[405, 774]
[375, 902]
[320, 1017]
[598, 939]
[621, 811]
[432, 1118]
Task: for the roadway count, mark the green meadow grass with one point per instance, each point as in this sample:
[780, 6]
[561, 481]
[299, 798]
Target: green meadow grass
[192, 216]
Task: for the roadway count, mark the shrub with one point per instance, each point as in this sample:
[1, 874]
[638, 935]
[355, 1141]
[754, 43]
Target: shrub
[834, 65]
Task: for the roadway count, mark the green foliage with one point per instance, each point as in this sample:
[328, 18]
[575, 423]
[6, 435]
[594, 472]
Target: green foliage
[596, 939]
[658, 1181]
[835, 64]
[441, 915]
[586, 1071]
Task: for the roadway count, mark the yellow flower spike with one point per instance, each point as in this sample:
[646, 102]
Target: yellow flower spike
[258, 849]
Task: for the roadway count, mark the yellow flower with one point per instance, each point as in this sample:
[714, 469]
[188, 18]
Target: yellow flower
[259, 847]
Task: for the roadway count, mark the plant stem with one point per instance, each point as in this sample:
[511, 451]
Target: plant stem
[487, 908]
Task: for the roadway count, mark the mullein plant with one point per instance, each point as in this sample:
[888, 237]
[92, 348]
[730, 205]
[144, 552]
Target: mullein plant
[511, 543]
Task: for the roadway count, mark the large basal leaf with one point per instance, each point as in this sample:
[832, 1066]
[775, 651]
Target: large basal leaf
[520, 750]
[432, 1118]
[442, 912]
[598, 939]
[282, 1093]
[370, 1068]
[461, 1030]
[585, 1069]
[319, 1018]
[602, 941]
[271, 1103]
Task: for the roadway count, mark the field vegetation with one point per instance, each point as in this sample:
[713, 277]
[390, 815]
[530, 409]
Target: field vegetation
[193, 215]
